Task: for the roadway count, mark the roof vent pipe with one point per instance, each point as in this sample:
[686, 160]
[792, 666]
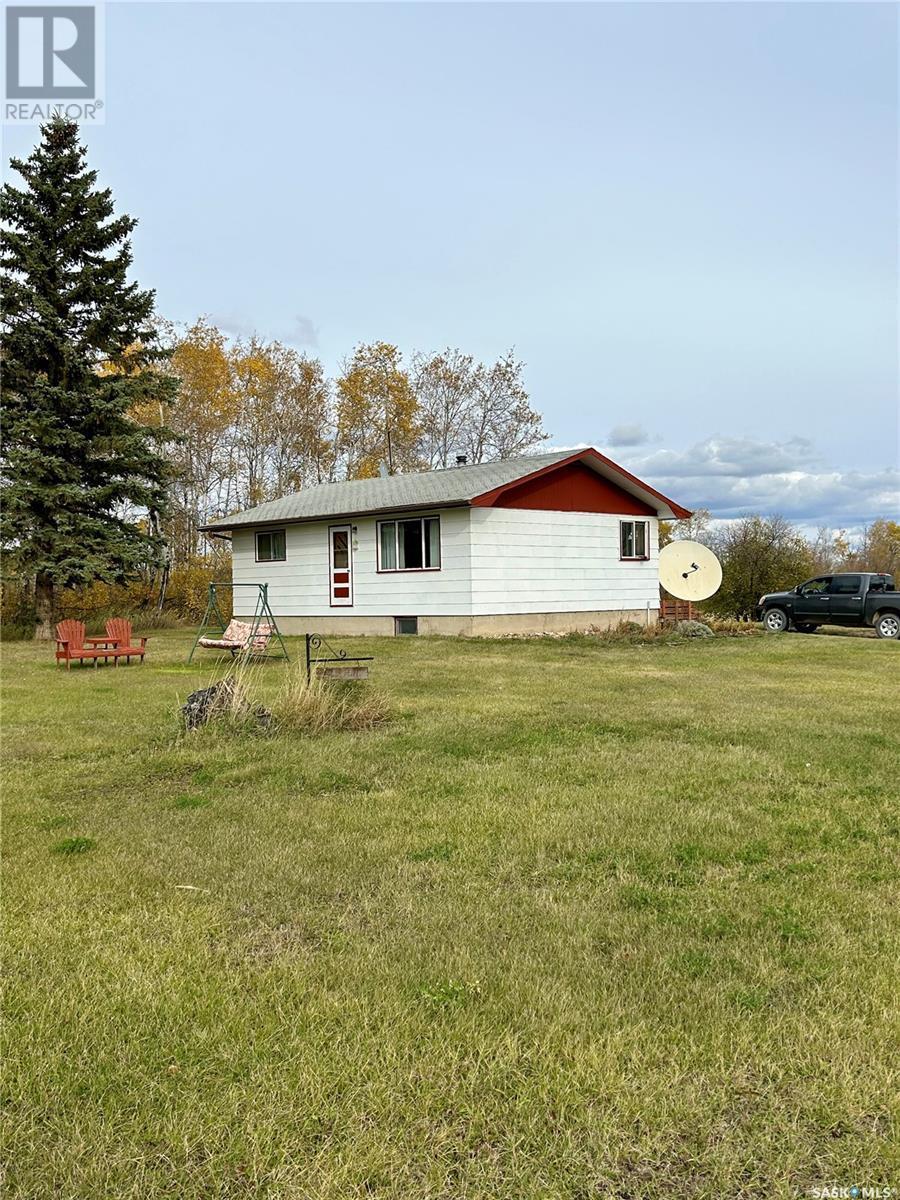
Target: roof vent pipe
[461, 460]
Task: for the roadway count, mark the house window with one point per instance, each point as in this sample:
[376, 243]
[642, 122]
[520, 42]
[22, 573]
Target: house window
[412, 545]
[634, 539]
[406, 625]
[270, 546]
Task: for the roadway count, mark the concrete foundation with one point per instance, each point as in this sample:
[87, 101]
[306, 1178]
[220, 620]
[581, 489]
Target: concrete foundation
[486, 625]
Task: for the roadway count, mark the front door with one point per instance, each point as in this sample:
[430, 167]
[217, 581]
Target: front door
[340, 565]
[813, 603]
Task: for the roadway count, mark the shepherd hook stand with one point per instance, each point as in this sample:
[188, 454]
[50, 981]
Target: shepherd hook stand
[315, 642]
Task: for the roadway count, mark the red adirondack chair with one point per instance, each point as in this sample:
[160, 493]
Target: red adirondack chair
[70, 644]
[118, 631]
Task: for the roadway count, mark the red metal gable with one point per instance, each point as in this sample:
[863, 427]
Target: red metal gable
[573, 486]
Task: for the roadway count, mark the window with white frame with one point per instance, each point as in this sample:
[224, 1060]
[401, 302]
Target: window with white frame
[410, 545]
[270, 546]
[634, 539]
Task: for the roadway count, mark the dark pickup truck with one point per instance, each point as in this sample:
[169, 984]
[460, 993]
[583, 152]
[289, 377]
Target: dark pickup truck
[857, 598]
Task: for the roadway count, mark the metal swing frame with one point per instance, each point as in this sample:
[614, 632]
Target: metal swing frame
[262, 616]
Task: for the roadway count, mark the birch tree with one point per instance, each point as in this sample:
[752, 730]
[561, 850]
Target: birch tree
[376, 414]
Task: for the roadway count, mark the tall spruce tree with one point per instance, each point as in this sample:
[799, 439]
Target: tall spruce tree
[79, 351]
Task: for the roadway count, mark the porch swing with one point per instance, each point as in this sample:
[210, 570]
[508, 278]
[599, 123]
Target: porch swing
[252, 639]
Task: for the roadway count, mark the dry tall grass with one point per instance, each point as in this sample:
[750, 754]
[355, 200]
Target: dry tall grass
[297, 705]
[323, 706]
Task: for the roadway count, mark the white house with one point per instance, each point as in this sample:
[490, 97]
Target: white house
[551, 542]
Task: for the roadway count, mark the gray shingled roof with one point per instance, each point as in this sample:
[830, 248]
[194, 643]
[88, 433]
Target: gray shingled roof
[427, 489]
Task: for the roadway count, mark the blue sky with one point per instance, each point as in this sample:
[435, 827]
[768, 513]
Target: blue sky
[682, 216]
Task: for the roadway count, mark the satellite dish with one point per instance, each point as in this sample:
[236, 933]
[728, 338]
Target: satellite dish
[689, 571]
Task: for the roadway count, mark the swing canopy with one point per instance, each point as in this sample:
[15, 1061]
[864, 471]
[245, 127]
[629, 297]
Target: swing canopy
[258, 637]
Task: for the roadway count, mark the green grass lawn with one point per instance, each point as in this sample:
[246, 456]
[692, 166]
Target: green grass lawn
[581, 921]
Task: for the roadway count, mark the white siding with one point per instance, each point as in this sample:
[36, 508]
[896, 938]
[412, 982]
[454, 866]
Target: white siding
[530, 560]
[493, 560]
[300, 587]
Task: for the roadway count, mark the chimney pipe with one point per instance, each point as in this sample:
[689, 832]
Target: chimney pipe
[461, 460]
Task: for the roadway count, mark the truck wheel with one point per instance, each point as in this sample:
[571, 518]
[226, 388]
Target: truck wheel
[887, 625]
[805, 627]
[775, 620]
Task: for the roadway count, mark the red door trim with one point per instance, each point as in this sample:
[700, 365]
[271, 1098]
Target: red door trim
[340, 590]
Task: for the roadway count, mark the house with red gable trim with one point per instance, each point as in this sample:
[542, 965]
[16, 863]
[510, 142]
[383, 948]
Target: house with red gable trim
[541, 544]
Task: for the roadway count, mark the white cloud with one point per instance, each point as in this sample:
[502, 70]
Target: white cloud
[628, 435]
[735, 476]
[738, 458]
[233, 324]
[302, 333]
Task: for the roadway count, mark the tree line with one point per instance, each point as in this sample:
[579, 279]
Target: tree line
[253, 419]
[762, 554]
